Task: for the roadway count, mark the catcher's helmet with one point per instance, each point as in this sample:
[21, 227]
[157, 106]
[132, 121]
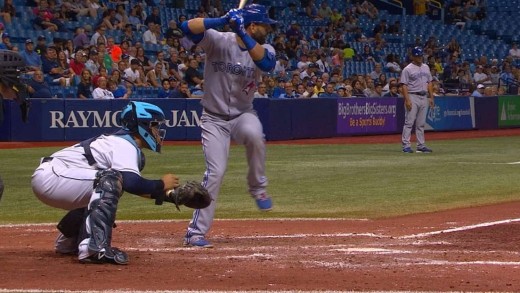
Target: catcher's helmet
[140, 118]
[256, 13]
[417, 51]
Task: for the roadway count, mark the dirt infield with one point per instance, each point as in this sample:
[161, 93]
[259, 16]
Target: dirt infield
[474, 249]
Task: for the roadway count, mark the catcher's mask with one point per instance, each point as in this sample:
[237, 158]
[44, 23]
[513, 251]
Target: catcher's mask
[145, 120]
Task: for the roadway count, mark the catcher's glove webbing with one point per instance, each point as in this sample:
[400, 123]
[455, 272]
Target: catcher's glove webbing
[192, 194]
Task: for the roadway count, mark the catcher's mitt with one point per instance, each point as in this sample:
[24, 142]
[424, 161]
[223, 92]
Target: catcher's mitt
[192, 194]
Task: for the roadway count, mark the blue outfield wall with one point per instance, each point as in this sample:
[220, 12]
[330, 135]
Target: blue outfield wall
[74, 120]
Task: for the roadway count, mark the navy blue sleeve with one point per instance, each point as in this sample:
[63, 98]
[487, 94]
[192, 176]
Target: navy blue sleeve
[138, 185]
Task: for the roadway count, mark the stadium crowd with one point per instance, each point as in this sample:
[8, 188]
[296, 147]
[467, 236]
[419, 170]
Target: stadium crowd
[96, 65]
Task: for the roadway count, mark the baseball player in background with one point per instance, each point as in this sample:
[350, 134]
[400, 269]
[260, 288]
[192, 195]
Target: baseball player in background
[234, 64]
[88, 179]
[417, 90]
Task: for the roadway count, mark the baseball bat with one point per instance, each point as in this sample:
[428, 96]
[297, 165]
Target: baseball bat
[242, 4]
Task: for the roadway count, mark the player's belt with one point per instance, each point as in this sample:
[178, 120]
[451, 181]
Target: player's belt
[46, 159]
[223, 117]
[423, 93]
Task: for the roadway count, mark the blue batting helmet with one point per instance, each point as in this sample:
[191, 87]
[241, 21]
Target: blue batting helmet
[139, 118]
[417, 51]
[256, 13]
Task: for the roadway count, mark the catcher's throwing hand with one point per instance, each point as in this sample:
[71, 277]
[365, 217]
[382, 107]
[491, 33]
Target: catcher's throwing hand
[171, 181]
[191, 194]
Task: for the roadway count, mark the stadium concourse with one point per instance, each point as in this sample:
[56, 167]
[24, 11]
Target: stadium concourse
[339, 41]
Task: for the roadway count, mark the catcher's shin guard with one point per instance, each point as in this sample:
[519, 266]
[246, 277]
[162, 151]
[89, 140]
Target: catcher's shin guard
[101, 218]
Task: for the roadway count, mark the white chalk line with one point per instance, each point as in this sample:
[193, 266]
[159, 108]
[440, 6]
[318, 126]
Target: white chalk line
[462, 228]
[349, 265]
[194, 291]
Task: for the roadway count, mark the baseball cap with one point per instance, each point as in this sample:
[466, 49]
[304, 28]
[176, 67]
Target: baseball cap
[172, 78]
[5, 35]
[310, 83]
[41, 37]
[480, 86]
[417, 51]
[29, 41]
[125, 56]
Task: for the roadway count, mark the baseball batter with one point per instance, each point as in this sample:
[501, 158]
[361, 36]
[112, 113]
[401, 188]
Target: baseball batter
[88, 179]
[418, 94]
[234, 63]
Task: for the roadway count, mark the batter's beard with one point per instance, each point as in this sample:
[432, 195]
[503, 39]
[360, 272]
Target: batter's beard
[259, 38]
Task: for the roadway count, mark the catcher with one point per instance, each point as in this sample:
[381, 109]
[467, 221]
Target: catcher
[89, 178]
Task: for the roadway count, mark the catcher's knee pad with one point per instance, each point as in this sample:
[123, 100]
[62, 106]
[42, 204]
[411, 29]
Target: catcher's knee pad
[70, 225]
[102, 211]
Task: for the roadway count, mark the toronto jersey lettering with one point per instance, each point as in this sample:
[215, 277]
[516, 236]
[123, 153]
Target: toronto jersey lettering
[234, 74]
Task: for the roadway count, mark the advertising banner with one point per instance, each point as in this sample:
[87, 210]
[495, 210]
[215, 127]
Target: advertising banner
[508, 111]
[450, 113]
[367, 116]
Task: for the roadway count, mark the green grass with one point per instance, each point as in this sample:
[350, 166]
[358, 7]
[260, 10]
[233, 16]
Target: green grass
[338, 181]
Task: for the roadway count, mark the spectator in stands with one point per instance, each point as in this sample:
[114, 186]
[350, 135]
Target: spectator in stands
[37, 87]
[43, 17]
[77, 63]
[121, 15]
[173, 31]
[149, 36]
[155, 77]
[117, 77]
[309, 90]
[132, 75]
[52, 67]
[282, 65]
[329, 92]
[143, 59]
[453, 48]
[135, 17]
[32, 59]
[193, 76]
[261, 91]
[80, 40]
[165, 92]
[311, 10]
[367, 55]
[118, 91]
[183, 92]
[174, 83]
[336, 18]
[99, 35]
[154, 17]
[325, 12]
[463, 79]
[95, 60]
[370, 89]
[85, 87]
[173, 64]
[80, 8]
[6, 43]
[106, 59]
[102, 72]
[506, 77]
[8, 11]
[392, 64]
[514, 52]
[41, 45]
[322, 63]
[357, 88]
[303, 63]
[481, 77]
[393, 91]
[101, 92]
[479, 91]
[289, 92]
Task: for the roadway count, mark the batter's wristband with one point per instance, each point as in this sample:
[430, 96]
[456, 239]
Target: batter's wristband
[248, 41]
[214, 22]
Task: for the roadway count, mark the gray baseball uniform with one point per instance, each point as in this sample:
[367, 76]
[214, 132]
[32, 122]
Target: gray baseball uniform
[416, 79]
[230, 75]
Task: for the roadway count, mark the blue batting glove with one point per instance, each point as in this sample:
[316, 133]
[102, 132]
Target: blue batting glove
[237, 24]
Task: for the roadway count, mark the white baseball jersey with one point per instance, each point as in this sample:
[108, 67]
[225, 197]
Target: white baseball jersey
[67, 180]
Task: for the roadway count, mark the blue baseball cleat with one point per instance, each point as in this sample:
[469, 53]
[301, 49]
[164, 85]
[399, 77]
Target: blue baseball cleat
[424, 150]
[197, 242]
[408, 150]
[264, 202]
